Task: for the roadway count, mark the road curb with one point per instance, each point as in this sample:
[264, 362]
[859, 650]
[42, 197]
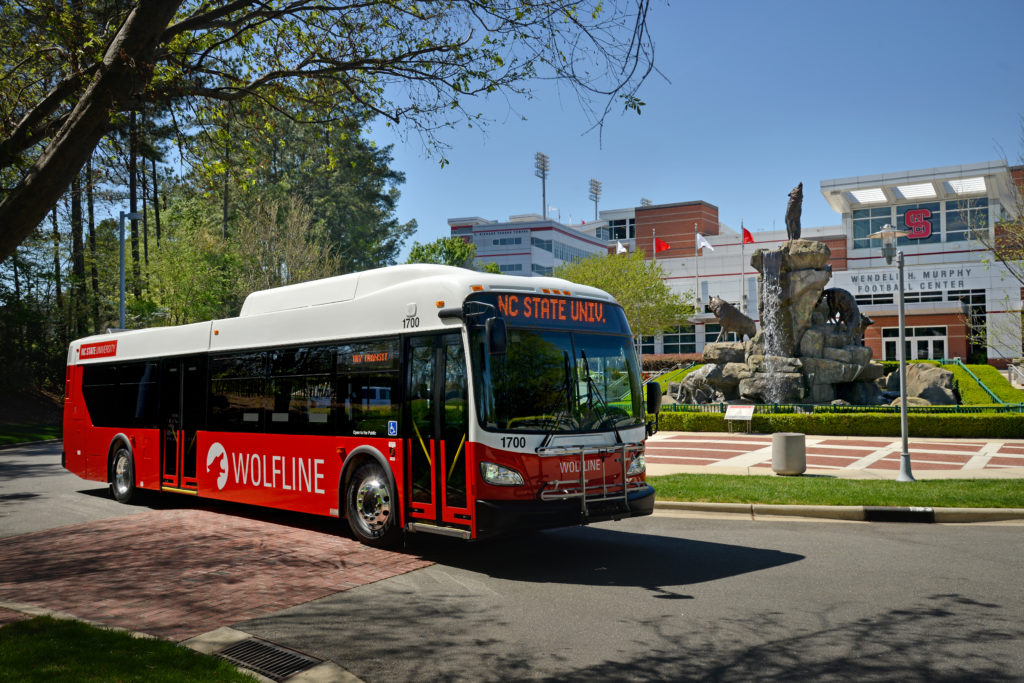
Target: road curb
[854, 513]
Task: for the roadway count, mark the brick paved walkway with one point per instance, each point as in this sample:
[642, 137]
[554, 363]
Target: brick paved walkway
[685, 450]
[179, 573]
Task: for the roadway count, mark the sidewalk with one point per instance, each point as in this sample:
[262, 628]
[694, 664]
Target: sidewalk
[854, 457]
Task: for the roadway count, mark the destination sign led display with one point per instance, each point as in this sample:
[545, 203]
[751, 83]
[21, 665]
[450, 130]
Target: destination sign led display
[555, 311]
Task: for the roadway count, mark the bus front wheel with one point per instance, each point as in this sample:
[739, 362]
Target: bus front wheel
[371, 506]
[122, 471]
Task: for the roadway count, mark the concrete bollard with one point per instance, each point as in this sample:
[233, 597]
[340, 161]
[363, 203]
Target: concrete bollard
[789, 455]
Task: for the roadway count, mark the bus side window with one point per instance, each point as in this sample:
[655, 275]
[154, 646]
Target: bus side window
[238, 399]
[367, 384]
[99, 389]
[301, 390]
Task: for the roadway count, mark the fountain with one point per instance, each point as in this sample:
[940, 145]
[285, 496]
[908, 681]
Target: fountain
[810, 347]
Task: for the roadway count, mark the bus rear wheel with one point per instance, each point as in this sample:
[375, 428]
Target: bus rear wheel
[370, 505]
[122, 475]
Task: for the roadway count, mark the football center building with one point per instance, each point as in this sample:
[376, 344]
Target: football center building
[953, 285]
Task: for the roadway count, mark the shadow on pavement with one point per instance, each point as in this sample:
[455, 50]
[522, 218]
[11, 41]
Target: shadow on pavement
[598, 556]
[935, 638]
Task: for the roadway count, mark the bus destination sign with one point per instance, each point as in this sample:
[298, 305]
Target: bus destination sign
[544, 308]
[555, 312]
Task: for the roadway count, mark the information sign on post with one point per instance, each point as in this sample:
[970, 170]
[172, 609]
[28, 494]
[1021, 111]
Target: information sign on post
[744, 413]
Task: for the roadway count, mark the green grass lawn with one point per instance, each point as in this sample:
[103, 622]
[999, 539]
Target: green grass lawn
[774, 490]
[12, 434]
[46, 649]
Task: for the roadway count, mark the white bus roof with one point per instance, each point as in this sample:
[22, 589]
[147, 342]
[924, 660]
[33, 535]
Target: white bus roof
[366, 304]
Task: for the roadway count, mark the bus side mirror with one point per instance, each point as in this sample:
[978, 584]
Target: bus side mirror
[653, 398]
[497, 336]
[653, 406]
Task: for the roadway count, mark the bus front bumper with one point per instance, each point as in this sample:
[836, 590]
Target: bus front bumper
[496, 517]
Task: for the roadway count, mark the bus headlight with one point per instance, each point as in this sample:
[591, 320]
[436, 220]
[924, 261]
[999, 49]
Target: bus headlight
[637, 467]
[499, 475]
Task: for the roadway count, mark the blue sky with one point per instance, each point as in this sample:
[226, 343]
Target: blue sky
[759, 96]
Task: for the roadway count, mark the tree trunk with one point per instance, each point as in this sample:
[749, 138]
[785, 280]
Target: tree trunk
[227, 176]
[133, 202]
[56, 261]
[93, 268]
[156, 203]
[145, 216]
[125, 70]
[77, 260]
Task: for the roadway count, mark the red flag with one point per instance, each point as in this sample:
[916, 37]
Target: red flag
[747, 237]
[660, 245]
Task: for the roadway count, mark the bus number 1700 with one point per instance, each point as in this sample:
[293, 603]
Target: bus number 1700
[513, 442]
[411, 322]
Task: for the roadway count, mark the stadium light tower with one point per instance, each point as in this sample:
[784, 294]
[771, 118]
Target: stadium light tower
[542, 165]
[595, 194]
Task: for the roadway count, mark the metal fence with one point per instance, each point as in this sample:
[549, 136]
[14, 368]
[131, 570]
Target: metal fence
[791, 408]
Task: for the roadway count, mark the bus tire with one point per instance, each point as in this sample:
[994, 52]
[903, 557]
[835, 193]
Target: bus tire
[371, 506]
[122, 474]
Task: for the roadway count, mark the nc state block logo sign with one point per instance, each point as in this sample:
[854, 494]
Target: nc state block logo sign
[918, 224]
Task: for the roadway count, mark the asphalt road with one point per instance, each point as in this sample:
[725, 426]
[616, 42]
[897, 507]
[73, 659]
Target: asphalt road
[660, 598]
[667, 598]
[36, 493]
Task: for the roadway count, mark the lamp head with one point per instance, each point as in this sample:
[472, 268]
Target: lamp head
[888, 235]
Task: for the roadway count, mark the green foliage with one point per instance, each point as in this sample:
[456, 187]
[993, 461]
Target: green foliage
[270, 159]
[445, 251]
[47, 649]
[14, 434]
[971, 393]
[997, 383]
[651, 307]
[191, 273]
[919, 425]
[676, 375]
[418, 65]
[764, 490]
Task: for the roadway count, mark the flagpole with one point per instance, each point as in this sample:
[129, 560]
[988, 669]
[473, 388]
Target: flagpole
[654, 243]
[743, 271]
[696, 266]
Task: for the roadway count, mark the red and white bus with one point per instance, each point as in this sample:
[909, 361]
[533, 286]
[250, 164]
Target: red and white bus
[418, 397]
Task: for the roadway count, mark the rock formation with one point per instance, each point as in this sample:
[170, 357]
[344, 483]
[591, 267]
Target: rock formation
[809, 348]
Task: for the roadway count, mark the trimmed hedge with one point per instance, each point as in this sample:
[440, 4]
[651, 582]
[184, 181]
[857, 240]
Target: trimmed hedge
[676, 375]
[997, 383]
[971, 393]
[969, 425]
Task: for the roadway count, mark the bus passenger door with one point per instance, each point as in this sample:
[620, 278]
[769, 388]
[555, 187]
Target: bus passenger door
[183, 402]
[437, 418]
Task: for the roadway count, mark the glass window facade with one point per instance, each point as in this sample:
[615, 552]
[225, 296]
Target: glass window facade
[620, 229]
[682, 339]
[966, 217]
[868, 221]
[933, 222]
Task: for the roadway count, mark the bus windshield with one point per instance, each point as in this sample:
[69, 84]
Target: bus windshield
[559, 380]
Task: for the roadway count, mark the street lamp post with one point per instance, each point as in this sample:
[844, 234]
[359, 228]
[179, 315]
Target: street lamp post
[133, 216]
[889, 235]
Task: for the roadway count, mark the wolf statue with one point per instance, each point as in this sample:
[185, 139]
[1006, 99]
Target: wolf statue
[731, 319]
[793, 210]
[844, 312]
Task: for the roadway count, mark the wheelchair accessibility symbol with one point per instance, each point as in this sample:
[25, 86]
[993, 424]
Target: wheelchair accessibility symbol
[392, 427]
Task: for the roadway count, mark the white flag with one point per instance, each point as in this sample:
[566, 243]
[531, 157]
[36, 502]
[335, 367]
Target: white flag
[703, 243]
[620, 248]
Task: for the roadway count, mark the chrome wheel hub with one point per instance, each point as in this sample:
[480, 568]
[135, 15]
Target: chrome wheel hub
[122, 473]
[373, 504]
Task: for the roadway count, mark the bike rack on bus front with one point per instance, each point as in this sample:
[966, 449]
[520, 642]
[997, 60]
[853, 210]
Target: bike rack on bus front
[565, 489]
